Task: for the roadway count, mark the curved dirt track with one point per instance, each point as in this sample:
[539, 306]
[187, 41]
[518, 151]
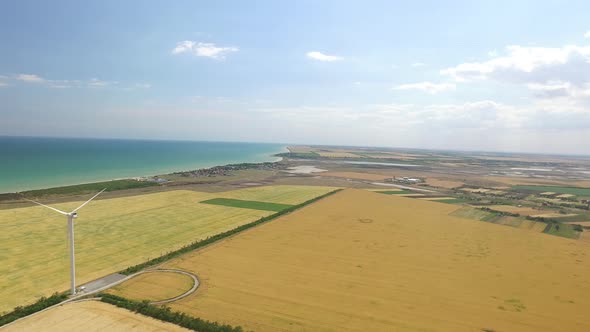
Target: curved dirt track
[185, 294]
[81, 297]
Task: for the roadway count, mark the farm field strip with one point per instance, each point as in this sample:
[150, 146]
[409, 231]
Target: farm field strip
[437, 198]
[113, 234]
[254, 205]
[448, 200]
[90, 316]
[153, 286]
[397, 192]
[581, 223]
[356, 175]
[337, 154]
[359, 261]
[556, 189]
[523, 210]
[555, 215]
[283, 194]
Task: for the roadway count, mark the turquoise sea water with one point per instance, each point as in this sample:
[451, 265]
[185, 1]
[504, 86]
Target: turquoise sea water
[35, 163]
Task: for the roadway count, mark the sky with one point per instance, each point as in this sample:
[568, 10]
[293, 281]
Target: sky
[458, 75]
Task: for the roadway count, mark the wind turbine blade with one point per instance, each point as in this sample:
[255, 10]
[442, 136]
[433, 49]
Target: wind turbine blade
[49, 207]
[88, 201]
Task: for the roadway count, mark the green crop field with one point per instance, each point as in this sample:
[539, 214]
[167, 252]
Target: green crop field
[556, 189]
[473, 213]
[453, 201]
[80, 189]
[564, 230]
[112, 234]
[254, 205]
[277, 194]
[396, 192]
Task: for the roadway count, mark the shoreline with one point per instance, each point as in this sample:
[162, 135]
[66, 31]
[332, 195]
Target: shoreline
[273, 159]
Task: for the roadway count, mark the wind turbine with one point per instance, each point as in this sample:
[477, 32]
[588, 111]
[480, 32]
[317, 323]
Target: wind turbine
[71, 216]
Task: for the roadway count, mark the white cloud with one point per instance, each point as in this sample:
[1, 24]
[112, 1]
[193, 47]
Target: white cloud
[432, 88]
[208, 50]
[551, 89]
[587, 34]
[560, 89]
[31, 78]
[95, 82]
[65, 84]
[322, 57]
[183, 46]
[418, 64]
[529, 65]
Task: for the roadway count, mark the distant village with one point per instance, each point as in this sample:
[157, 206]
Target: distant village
[228, 169]
[405, 180]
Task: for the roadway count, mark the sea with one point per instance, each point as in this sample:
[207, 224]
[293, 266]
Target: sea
[38, 162]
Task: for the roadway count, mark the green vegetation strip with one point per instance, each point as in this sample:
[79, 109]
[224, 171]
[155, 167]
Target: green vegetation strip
[398, 192]
[453, 201]
[254, 205]
[563, 230]
[220, 236]
[555, 189]
[42, 303]
[81, 189]
[167, 315]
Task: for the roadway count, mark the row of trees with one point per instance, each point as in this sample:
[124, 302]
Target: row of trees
[41, 304]
[217, 237]
[167, 315]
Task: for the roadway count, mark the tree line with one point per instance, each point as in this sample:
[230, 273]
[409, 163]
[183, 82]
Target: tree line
[167, 315]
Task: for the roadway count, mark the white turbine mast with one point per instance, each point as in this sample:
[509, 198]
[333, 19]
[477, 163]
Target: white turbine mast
[71, 216]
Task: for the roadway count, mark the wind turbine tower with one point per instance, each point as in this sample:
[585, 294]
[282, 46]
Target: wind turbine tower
[71, 216]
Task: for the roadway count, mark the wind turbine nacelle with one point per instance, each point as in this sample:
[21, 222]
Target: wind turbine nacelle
[75, 215]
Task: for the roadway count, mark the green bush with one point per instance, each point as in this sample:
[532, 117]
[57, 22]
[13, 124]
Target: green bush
[167, 315]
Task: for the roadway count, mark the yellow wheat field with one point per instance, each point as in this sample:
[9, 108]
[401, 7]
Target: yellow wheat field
[554, 215]
[523, 210]
[154, 286]
[362, 261]
[278, 194]
[90, 316]
[441, 183]
[112, 234]
[581, 223]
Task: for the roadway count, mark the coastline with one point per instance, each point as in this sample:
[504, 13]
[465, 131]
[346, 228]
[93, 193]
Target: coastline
[182, 167]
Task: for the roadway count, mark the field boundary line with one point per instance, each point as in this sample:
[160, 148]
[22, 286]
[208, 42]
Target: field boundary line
[200, 244]
[83, 297]
[188, 248]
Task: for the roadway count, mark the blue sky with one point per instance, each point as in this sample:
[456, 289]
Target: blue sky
[477, 75]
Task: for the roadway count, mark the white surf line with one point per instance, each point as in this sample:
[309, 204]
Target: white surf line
[79, 297]
[402, 187]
